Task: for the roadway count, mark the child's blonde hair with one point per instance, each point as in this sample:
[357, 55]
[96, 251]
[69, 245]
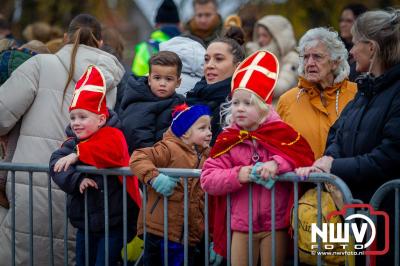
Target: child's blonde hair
[226, 109]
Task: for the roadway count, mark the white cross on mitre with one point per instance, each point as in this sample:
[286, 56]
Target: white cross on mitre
[255, 67]
[93, 88]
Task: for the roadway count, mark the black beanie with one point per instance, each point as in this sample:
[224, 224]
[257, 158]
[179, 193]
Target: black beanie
[167, 12]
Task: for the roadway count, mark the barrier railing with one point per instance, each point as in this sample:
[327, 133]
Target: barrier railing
[376, 202]
[319, 179]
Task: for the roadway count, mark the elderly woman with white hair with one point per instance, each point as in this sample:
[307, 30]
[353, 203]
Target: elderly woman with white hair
[364, 144]
[323, 89]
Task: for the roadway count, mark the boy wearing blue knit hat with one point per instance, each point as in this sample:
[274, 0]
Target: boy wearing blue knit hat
[184, 145]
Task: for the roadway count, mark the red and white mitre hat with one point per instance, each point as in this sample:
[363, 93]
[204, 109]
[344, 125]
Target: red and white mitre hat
[90, 92]
[258, 73]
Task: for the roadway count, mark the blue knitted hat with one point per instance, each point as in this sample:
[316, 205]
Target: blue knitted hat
[184, 117]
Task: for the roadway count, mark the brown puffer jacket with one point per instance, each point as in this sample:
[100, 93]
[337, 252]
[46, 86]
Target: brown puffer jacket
[171, 152]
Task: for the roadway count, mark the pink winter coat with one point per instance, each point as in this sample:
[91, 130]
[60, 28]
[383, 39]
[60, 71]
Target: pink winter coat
[220, 177]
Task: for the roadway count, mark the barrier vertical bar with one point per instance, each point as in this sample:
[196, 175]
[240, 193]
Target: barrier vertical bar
[206, 231]
[396, 236]
[144, 206]
[13, 217]
[125, 219]
[50, 201]
[185, 221]
[250, 241]
[296, 226]
[30, 219]
[66, 230]
[86, 231]
[319, 222]
[106, 225]
[165, 231]
[273, 235]
[228, 229]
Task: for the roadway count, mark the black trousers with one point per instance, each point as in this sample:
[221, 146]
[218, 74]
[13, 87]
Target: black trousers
[153, 252]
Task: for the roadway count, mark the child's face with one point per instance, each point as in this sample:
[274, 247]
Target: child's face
[163, 80]
[245, 113]
[84, 123]
[200, 132]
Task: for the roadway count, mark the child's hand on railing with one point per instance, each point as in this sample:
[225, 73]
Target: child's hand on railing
[267, 170]
[63, 163]
[258, 179]
[244, 174]
[87, 182]
[165, 184]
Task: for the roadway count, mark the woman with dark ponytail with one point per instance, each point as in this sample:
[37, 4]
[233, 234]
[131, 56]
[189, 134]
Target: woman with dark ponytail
[222, 57]
[38, 94]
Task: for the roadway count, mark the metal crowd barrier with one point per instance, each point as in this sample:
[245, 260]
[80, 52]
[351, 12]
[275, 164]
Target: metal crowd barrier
[376, 201]
[319, 179]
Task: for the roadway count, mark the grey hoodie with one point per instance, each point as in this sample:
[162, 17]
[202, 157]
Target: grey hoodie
[192, 55]
[282, 32]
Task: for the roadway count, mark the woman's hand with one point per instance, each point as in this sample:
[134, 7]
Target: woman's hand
[324, 163]
[244, 174]
[306, 171]
[87, 182]
[268, 170]
[63, 163]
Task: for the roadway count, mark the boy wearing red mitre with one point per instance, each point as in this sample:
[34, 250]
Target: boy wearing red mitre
[95, 140]
[254, 148]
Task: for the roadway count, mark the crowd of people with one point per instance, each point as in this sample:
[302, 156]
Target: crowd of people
[199, 97]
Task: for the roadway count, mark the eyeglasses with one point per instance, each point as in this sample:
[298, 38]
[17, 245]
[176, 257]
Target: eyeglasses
[315, 57]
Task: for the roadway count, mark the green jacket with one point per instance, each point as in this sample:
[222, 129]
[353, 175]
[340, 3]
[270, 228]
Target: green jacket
[144, 50]
[11, 59]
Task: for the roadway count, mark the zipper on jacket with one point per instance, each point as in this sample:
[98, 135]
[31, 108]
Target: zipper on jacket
[255, 158]
[182, 232]
[155, 204]
[199, 155]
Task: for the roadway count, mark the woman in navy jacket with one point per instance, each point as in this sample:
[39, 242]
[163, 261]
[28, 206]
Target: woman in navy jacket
[363, 146]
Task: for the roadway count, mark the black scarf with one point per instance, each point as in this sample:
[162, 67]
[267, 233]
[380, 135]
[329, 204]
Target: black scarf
[211, 94]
